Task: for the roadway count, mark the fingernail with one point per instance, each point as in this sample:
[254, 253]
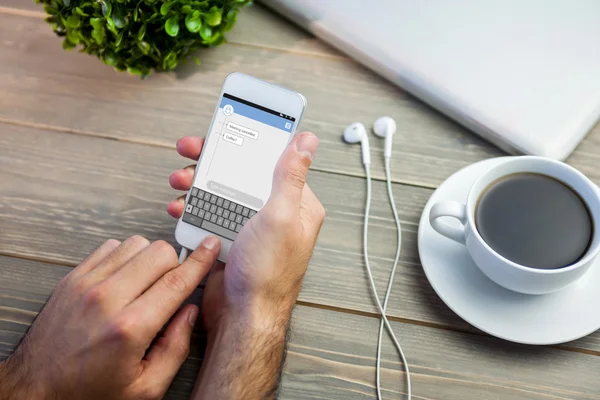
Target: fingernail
[210, 242]
[307, 144]
[193, 316]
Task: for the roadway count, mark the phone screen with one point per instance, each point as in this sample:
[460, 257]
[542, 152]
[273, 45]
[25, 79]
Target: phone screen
[233, 180]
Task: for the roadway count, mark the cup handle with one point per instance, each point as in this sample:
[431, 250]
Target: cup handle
[449, 209]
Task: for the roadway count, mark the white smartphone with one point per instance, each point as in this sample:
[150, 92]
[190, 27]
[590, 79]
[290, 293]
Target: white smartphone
[252, 124]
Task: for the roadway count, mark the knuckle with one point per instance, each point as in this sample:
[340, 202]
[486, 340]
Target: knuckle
[122, 329]
[295, 176]
[112, 243]
[165, 250]
[320, 212]
[94, 296]
[79, 286]
[138, 240]
[181, 348]
[173, 281]
[68, 281]
[279, 219]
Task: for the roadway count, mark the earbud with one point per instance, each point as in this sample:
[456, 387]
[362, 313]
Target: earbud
[356, 133]
[385, 127]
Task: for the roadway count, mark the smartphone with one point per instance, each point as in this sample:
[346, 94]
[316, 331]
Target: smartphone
[252, 125]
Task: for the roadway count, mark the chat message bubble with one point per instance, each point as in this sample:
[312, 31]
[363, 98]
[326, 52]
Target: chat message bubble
[242, 130]
[228, 137]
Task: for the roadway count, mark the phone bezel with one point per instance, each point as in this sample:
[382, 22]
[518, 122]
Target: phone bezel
[256, 91]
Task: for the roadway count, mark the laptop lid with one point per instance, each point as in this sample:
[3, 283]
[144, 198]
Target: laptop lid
[525, 75]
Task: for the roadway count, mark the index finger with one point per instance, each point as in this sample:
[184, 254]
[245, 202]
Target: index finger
[158, 304]
[190, 146]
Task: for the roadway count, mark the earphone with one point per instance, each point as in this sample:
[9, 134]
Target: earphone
[384, 127]
[356, 133]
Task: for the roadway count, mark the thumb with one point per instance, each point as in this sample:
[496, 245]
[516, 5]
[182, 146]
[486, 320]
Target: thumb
[291, 170]
[170, 350]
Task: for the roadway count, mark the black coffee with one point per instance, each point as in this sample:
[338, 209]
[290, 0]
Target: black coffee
[534, 220]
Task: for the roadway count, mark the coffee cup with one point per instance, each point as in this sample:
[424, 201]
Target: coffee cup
[511, 274]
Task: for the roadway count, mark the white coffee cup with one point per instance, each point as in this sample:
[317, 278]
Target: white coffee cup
[504, 272]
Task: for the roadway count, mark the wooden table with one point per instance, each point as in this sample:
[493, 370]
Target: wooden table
[85, 154]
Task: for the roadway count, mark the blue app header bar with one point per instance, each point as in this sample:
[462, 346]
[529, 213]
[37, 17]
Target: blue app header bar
[258, 115]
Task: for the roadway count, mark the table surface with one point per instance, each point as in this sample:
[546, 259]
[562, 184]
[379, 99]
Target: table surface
[85, 154]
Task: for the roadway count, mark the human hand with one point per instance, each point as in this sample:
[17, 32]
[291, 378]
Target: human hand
[269, 258]
[96, 336]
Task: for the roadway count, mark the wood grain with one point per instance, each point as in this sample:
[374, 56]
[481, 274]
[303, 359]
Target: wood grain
[85, 190]
[429, 147]
[91, 95]
[21, 5]
[331, 354]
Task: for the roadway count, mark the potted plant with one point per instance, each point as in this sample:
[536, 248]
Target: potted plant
[141, 35]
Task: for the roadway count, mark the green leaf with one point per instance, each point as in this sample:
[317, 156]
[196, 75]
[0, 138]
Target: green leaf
[166, 7]
[144, 47]
[99, 35]
[213, 17]
[142, 32]
[187, 9]
[217, 39]
[205, 32]
[172, 63]
[172, 26]
[119, 39]
[67, 3]
[196, 60]
[118, 19]
[106, 8]
[80, 12]
[67, 45]
[134, 71]
[111, 25]
[73, 21]
[50, 9]
[230, 18]
[96, 23]
[110, 58]
[73, 36]
[135, 14]
[169, 60]
[193, 24]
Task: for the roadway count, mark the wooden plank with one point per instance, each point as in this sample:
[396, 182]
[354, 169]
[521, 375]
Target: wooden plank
[282, 35]
[429, 147]
[121, 189]
[36, 75]
[21, 5]
[331, 354]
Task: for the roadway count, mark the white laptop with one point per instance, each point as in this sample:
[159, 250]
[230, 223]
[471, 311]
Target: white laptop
[524, 74]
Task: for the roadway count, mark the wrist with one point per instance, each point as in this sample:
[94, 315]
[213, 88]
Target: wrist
[18, 381]
[244, 353]
[14, 385]
[259, 315]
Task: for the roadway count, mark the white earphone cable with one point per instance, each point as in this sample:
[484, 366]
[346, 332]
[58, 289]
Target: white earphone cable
[183, 255]
[382, 309]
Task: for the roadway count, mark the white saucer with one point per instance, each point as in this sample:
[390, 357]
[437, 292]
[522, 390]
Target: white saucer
[559, 317]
